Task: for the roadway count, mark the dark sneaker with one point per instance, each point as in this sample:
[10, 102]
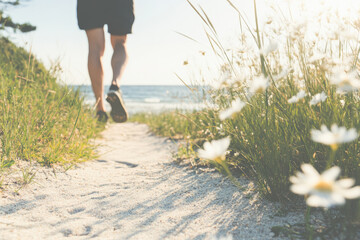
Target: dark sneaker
[118, 111]
[102, 117]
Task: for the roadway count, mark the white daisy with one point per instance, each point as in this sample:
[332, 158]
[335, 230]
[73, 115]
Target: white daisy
[215, 150]
[336, 136]
[318, 98]
[323, 190]
[236, 106]
[297, 97]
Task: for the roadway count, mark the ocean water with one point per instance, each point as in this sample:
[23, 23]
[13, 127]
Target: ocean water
[152, 98]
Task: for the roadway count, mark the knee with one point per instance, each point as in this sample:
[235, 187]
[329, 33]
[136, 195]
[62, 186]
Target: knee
[118, 41]
[96, 50]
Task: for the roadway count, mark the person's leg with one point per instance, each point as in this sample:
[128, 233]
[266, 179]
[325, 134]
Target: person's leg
[96, 40]
[119, 58]
[118, 63]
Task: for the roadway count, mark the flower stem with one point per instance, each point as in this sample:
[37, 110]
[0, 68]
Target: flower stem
[309, 230]
[231, 177]
[331, 158]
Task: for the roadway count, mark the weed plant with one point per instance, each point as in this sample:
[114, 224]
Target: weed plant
[40, 120]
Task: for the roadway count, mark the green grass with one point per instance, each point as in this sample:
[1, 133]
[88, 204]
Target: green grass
[269, 148]
[40, 120]
[270, 138]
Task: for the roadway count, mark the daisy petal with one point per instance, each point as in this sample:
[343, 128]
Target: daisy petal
[337, 199]
[309, 170]
[202, 154]
[207, 146]
[352, 193]
[346, 183]
[317, 201]
[300, 189]
[214, 150]
[294, 179]
[331, 174]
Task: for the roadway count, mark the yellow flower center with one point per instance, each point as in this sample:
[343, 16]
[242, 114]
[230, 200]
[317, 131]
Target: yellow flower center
[323, 186]
[260, 90]
[334, 147]
[345, 82]
[220, 159]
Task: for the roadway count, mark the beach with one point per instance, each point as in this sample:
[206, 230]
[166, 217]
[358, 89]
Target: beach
[135, 190]
[218, 125]
[152, 98]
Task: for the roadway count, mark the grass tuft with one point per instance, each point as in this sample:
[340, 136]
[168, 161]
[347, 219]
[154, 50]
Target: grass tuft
[40, 120]
[270, 137]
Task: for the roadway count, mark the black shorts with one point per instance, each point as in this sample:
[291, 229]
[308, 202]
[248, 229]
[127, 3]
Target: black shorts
[117, 14]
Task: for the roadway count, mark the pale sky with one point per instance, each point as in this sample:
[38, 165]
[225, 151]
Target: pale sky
[156, 50]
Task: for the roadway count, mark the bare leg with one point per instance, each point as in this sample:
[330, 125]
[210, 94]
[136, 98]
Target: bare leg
[119, 58]
[96, 40]
[118, 63]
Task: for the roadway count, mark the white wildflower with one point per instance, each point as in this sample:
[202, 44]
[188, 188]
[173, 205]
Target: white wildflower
[225, 77]
[323, 190]
[236, 106]
[345, 80]
[301, 83]
[343, 34]
[221, 130]
[320, 97]
[215, 150]
[284, 73]
[316, 57]
[342, 102]
[273, 46]
[258, 85]
[293, 99]
[336, 136]
[297, 29]
[268, 20]
[349, 35]
[297, 97]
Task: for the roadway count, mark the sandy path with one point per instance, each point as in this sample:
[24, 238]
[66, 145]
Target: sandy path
[134, 191]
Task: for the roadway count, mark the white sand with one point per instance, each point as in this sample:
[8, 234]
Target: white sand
[135, 191]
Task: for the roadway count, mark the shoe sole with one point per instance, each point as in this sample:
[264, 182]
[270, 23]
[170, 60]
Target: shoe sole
[118, 111]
